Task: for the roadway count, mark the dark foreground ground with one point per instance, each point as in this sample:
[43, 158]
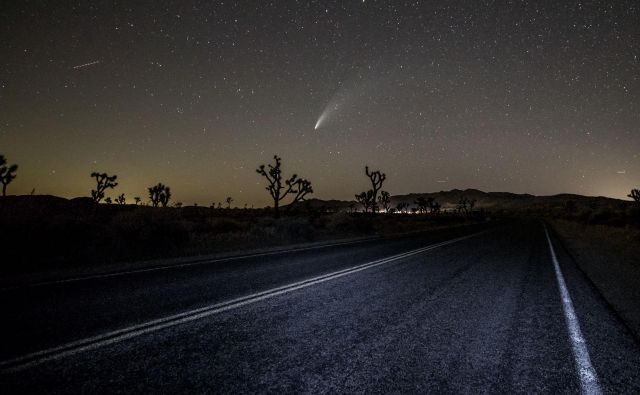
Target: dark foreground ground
[53, 234]
[610, 257]
[478, 314]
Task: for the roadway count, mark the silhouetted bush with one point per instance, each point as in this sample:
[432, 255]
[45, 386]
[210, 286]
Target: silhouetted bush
[351, 223]
[225, 225]
[7, 174]
[634, 215]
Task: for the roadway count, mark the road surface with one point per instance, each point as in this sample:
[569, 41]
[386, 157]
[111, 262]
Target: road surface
[494, 310]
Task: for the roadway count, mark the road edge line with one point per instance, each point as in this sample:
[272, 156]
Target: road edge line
[589, 383]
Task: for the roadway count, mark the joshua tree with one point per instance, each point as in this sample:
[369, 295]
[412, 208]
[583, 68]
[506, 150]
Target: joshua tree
[366, 200]
[430, 202]
[108, 200]
[402, 207]
[7, 174]
[229, 200]
[177, 204]
[121, 199]
[462, 205]
[137, 200]
[103, 181]
[422, 204]
[159, 195]
[465, 206]
[385, 200]
[377, 178]
[298, 187]
[369, 198]
[635, 195]
[435, 207]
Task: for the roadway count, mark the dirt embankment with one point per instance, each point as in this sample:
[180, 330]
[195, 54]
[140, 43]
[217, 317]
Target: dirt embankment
[610, 256]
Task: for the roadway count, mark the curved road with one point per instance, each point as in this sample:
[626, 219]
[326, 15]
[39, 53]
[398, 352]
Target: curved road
[465, 310]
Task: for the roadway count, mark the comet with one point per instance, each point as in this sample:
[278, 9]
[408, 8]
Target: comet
[348, 95]
[331, 108]
[321, 119]
[80, 66]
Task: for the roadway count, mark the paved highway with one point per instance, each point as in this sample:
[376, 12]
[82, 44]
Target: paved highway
[494, 310]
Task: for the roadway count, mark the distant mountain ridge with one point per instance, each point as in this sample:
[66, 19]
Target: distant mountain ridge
[486, 200]
[447, 199]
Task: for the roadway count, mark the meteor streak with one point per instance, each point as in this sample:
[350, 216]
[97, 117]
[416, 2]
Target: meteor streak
[85, 65]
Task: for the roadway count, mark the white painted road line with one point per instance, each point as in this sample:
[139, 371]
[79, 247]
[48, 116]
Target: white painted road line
[588, 377]
[116, 336]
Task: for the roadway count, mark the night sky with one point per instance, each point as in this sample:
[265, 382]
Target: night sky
[540, 97]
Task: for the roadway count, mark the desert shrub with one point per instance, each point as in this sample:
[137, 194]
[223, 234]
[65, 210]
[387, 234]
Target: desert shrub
[584, 214]
[294, 228]
[345, 223]
[607, 216]
[633, 214]
[262, 229]
[226, 225]
[143, 231]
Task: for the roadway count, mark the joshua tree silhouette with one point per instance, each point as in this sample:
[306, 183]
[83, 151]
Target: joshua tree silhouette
[121, 199]
[103, 181]
[229, 200]
[7, 174]
[298, 187]
[635, 195]
[369, 198]
[402, 207]
[422, 204]
[137, 200]
[385, 200]
[366, 200]
[430, 202]
[159, 195]
[465, 206]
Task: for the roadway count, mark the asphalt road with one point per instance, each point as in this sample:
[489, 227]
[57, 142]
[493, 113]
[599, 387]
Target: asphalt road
[456, 311]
